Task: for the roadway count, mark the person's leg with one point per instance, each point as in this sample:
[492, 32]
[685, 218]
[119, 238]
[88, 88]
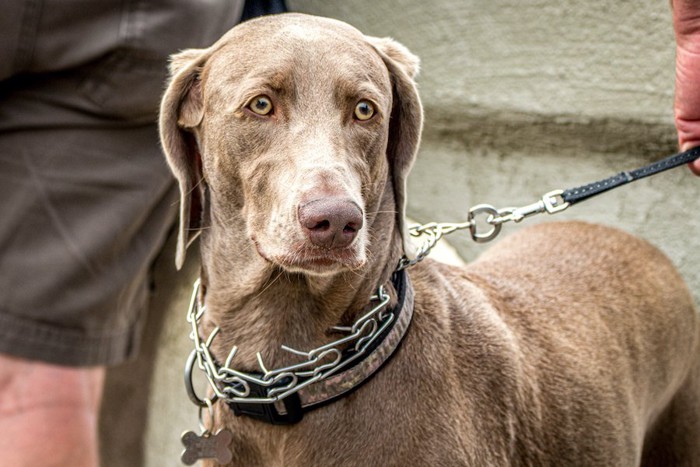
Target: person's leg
[87, 202]
[48, 414]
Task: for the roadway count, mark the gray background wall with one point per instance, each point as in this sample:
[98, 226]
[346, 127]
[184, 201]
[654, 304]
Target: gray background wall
[521, 97]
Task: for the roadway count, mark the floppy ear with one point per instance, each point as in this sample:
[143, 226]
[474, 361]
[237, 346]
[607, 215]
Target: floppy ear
[405, 125]
[181, 111]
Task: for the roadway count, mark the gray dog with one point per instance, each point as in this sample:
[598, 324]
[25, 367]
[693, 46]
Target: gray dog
[565, 344]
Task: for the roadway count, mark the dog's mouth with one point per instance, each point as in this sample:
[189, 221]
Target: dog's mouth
[304, 259]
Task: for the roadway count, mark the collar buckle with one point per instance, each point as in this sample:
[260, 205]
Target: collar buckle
[267, 412]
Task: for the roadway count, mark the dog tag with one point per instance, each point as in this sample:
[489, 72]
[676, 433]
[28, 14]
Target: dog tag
[207, 446]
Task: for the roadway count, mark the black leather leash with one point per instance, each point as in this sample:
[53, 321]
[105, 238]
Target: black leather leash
[553, 202]
[575, 195]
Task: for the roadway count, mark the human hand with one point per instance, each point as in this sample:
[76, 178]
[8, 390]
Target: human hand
[686, 24]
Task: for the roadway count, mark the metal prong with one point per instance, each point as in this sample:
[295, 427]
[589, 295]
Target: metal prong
[211, 337]
[260, 362]
[295, 351]
[231, 354]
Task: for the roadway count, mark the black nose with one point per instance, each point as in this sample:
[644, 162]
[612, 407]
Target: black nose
[330, 222]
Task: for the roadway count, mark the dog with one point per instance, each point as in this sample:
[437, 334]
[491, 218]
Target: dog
[565, 344]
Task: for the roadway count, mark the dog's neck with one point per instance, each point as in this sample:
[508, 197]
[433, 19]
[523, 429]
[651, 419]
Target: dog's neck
[261, 307]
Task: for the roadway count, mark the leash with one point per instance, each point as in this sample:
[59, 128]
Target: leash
[485, 221]
[575, 195]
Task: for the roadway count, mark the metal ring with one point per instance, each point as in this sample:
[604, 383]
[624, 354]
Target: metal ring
[491, 234]
[189, 387]
[202, 427]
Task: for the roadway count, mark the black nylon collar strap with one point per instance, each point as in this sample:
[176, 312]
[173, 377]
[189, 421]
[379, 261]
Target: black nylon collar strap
[292, 408]
[574, 195]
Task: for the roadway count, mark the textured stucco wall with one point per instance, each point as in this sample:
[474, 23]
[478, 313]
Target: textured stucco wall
[597, 59]
[521, 97]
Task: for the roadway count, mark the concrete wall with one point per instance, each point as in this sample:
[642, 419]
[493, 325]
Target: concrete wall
[521, 97]
[598, 59]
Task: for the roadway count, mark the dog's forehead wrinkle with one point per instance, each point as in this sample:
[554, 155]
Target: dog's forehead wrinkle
[301, 34]
[352, 71]
[290, 40]
[318, 73]
[304, 30]
[304, 44]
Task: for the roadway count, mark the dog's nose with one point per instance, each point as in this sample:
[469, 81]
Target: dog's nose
[330, 222]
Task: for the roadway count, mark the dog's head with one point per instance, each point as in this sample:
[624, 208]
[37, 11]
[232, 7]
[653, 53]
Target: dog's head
[289, 131]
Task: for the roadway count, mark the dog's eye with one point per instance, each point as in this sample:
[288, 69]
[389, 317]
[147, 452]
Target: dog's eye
[261, 105]
[364, 110]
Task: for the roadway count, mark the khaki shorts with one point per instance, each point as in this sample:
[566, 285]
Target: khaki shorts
[86, 198]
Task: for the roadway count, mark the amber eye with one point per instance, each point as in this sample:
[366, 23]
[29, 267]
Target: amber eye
[261, 105]
[364, 110]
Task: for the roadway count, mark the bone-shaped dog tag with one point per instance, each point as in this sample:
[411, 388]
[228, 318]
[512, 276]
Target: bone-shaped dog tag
[207, 446]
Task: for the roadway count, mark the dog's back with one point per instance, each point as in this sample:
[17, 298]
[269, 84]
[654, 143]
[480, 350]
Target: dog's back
[603, 343]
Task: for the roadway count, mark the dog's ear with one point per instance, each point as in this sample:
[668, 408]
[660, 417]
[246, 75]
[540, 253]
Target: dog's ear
[181, 111]
[405, 125]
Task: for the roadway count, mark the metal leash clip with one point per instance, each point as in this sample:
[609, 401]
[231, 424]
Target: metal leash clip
[550, 203]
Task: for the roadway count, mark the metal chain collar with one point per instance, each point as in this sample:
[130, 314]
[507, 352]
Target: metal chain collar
[320, 363]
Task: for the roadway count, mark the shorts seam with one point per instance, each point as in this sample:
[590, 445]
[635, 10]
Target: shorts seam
[27, 36]
[65, 346]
